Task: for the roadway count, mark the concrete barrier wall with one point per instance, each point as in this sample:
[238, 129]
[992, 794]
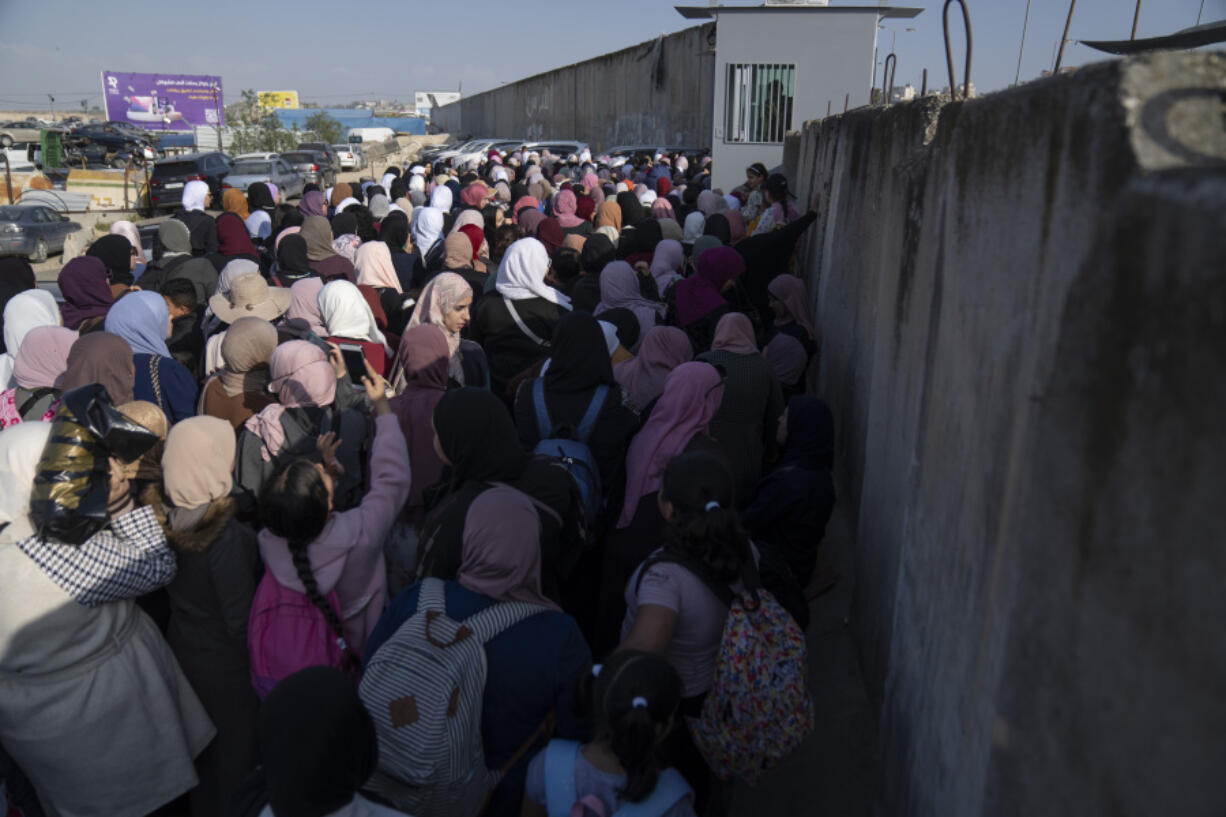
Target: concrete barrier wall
[1022, 307]
[610, 100]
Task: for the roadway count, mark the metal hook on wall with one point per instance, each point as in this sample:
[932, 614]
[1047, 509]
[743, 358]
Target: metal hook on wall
[887, 78]
[949, 57]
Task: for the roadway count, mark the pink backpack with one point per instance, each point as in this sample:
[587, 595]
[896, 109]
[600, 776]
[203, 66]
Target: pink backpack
[286, 633]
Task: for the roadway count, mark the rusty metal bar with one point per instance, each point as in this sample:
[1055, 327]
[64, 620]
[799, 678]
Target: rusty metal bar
[1137, 16]
[8, 178]
[828, 103]
[1064, 39]
[846, 101]
[924, 85]
[887, 78]
[949, 57]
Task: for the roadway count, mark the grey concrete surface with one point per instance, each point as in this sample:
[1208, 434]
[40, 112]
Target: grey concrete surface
[1022, 311]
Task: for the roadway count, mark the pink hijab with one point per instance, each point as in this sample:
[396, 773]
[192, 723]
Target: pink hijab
[287, 231]
[304, 304]
[564, 206]
[736, 225]
[501, 556]
[437, 298]
[43, 357]
[421, 366]
[301, 377]
[692, 394]
[662, 209]
[128, 230]
[790, 291]
[734, 333]
[663, 349]
[373, 264]
[666, 263]
[521, 203]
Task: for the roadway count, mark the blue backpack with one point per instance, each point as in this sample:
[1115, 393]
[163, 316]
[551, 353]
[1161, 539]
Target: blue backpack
[573, 454]
[563, 800]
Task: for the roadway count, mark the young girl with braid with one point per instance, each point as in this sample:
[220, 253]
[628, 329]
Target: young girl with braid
[631, 704]
[313, 550]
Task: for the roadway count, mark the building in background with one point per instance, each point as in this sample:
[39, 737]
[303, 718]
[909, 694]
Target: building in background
[426, 101]
[284, 100]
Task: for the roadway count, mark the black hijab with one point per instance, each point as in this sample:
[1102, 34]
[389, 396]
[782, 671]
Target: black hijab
[292, 262]
[394, 231]
[16, 276]
[580, 360]
[597, 253]
[259, 197]
[717, 225]
[478, 437]
[344, 224]
[632, 211]
[400, 190]
[317, 741]
[628, 326]
[115, 252]
[810, 442]
[642, 238]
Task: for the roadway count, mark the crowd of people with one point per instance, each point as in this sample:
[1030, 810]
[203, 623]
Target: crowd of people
[533, 415]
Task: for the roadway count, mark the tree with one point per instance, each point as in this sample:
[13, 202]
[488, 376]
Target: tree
[257, 129]
[325, 128]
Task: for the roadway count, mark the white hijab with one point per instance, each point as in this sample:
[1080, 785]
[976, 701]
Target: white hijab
[427, 228]
[347, 315]
[24, 311]
[695, 223]
[193, 195]
[386, 182]
[21, 448]
[521, 275]
[441, 198]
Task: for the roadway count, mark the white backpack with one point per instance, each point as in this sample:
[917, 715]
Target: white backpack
[424, 687]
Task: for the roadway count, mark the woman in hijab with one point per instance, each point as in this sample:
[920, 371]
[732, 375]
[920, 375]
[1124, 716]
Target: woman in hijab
[524, 203]
[38, 370]
[103, 358]
[313, 204]
[662, 209]
[79, 656]
[25, 311]
[578, 375]
[736, 226]
[141, 318]
[232, 242]
[748, 417]
[303, 316]
[666, 266]
[695, 223]
[240, 387]
[531, 663]
[514, 328]
[318, 747]
[619, 288]
[446, 302]
[394, 232]
[663, 349]
[549, 233]
[349, 320]
[793, 341]
[87, 297]
[564, 206]
[678, 423]
[795, 500]
[441, 199]
[345, 239]
[609, 215]
[376, 272]
[210, 598]
[314, 396]
[465, 257]
[317, 233]
[196, 197]
[698, 302]
[632, 211]
[293, 265]
[477, 440]
[16, 276]
[233, 201]
[428, 249]
[340, 192]
[261, 204]
[709, 203]
[129, 231]
[119, 257]
[717, 225]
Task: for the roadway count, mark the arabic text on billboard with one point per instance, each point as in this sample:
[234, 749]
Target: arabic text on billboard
[279, 99]
[160, 101]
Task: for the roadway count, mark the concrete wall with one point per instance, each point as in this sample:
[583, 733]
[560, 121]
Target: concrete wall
[606, 101]
[833, 53]
[1023, 315]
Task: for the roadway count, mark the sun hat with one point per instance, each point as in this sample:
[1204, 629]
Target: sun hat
[250, 297]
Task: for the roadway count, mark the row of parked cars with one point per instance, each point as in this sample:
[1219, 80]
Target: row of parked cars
[475, 150]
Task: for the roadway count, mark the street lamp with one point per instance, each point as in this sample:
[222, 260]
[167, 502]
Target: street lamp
[50, 97]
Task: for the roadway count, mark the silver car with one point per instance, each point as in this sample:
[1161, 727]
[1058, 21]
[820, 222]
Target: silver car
[312, 165]
[11, 132]
[350, 156]
[33, 230]
[247, 172]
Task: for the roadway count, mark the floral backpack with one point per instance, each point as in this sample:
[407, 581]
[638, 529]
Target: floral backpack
[758, 709]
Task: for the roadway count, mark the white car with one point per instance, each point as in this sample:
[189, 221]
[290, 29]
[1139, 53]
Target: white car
[350, 156]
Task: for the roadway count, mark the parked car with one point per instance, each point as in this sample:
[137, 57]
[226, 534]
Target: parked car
[11, 132]
[33, 230]
[325, 149]
[350, 156]
[114, 140]
[169, 176]
[558, 147]
[247, 171]
[313, 166]
[477, 150]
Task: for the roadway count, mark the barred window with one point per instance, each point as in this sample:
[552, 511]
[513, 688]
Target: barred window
[758, 104]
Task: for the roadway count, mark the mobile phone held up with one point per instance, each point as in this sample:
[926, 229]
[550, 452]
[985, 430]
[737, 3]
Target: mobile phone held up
[355, 361]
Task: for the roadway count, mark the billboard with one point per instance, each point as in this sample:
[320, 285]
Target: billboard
[159, 101]
[278, 99]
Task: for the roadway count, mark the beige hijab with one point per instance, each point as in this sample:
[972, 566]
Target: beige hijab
[198, 461]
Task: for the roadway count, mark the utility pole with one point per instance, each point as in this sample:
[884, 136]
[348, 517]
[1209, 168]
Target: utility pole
[1025, 24]
[1060, 55]
[1135, 18]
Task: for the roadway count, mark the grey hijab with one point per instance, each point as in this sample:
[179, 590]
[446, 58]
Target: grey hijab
[176, 239]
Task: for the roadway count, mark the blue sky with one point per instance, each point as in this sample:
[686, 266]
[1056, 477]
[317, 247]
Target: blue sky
[332, 52]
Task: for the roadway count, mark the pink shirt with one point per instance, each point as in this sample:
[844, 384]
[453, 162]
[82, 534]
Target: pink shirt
[348, 555]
